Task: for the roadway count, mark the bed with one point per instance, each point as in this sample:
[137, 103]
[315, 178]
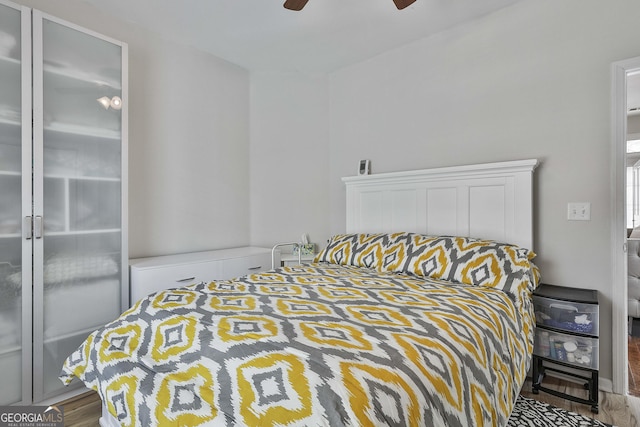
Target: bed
[390, 327]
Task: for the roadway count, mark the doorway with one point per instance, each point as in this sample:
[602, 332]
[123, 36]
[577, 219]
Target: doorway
[633, 228]
[626, 215]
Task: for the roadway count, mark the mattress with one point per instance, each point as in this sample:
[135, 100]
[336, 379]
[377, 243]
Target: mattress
[314, 345]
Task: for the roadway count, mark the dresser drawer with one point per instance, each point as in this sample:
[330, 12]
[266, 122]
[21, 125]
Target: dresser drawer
[574, 350]
[237, 267]
[567, 315]
[154, 274]
[148, 280]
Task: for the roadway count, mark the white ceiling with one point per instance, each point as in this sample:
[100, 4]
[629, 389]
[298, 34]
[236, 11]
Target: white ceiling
[326, 35]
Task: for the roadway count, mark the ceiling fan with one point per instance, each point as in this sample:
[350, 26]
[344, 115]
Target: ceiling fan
[299, 4]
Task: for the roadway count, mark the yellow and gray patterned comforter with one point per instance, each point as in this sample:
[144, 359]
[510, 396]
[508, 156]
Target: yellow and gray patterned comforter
[317, 345]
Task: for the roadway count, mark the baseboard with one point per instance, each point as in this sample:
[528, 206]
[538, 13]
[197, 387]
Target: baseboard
[605, 384]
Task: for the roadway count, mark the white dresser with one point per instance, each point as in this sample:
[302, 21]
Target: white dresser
[154, 274]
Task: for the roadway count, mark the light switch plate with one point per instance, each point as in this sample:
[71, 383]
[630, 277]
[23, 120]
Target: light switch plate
[579, 211]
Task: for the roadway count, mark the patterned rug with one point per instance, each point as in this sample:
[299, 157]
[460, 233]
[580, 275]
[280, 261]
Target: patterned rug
[531, 413]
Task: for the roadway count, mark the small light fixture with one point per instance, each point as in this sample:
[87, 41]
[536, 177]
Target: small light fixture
[105, 102]
[116, 103]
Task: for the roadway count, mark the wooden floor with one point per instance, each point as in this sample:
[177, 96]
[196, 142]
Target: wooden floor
[620, 411]
[634, 365]
[82, 411]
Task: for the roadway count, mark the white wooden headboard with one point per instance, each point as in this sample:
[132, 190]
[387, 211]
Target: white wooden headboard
[489, 201]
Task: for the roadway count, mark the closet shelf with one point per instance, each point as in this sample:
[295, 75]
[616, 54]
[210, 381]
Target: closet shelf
[10, 236]
[83, 232]
[82, 177]
[78, 130]
[78, 76]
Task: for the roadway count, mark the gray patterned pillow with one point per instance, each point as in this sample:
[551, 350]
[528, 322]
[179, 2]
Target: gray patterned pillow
[462, 260]
[360, 250]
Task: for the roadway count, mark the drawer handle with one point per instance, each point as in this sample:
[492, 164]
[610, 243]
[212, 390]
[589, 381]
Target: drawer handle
[186, 279]
[566, 307]
[255, 268]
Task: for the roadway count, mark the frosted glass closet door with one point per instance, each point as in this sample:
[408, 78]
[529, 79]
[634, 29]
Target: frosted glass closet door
[15, 204]
[78, 140]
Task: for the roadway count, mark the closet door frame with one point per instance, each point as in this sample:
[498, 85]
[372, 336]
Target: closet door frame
[27, 201]
[37, 312]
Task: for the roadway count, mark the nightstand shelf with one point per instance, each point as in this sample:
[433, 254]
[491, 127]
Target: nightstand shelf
[290, 260]
[566, 340]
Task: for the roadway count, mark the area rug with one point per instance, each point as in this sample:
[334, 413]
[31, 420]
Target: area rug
[531, 413]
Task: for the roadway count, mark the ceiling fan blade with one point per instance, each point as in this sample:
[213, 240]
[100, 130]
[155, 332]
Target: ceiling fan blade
[295, 4]
[401, 4]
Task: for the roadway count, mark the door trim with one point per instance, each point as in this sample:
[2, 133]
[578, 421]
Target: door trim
[27, 211]
[619, 72]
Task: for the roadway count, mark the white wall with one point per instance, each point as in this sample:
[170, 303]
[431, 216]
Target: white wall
[188, 139]
[289, 158]
[530, 81]
[189, 157]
